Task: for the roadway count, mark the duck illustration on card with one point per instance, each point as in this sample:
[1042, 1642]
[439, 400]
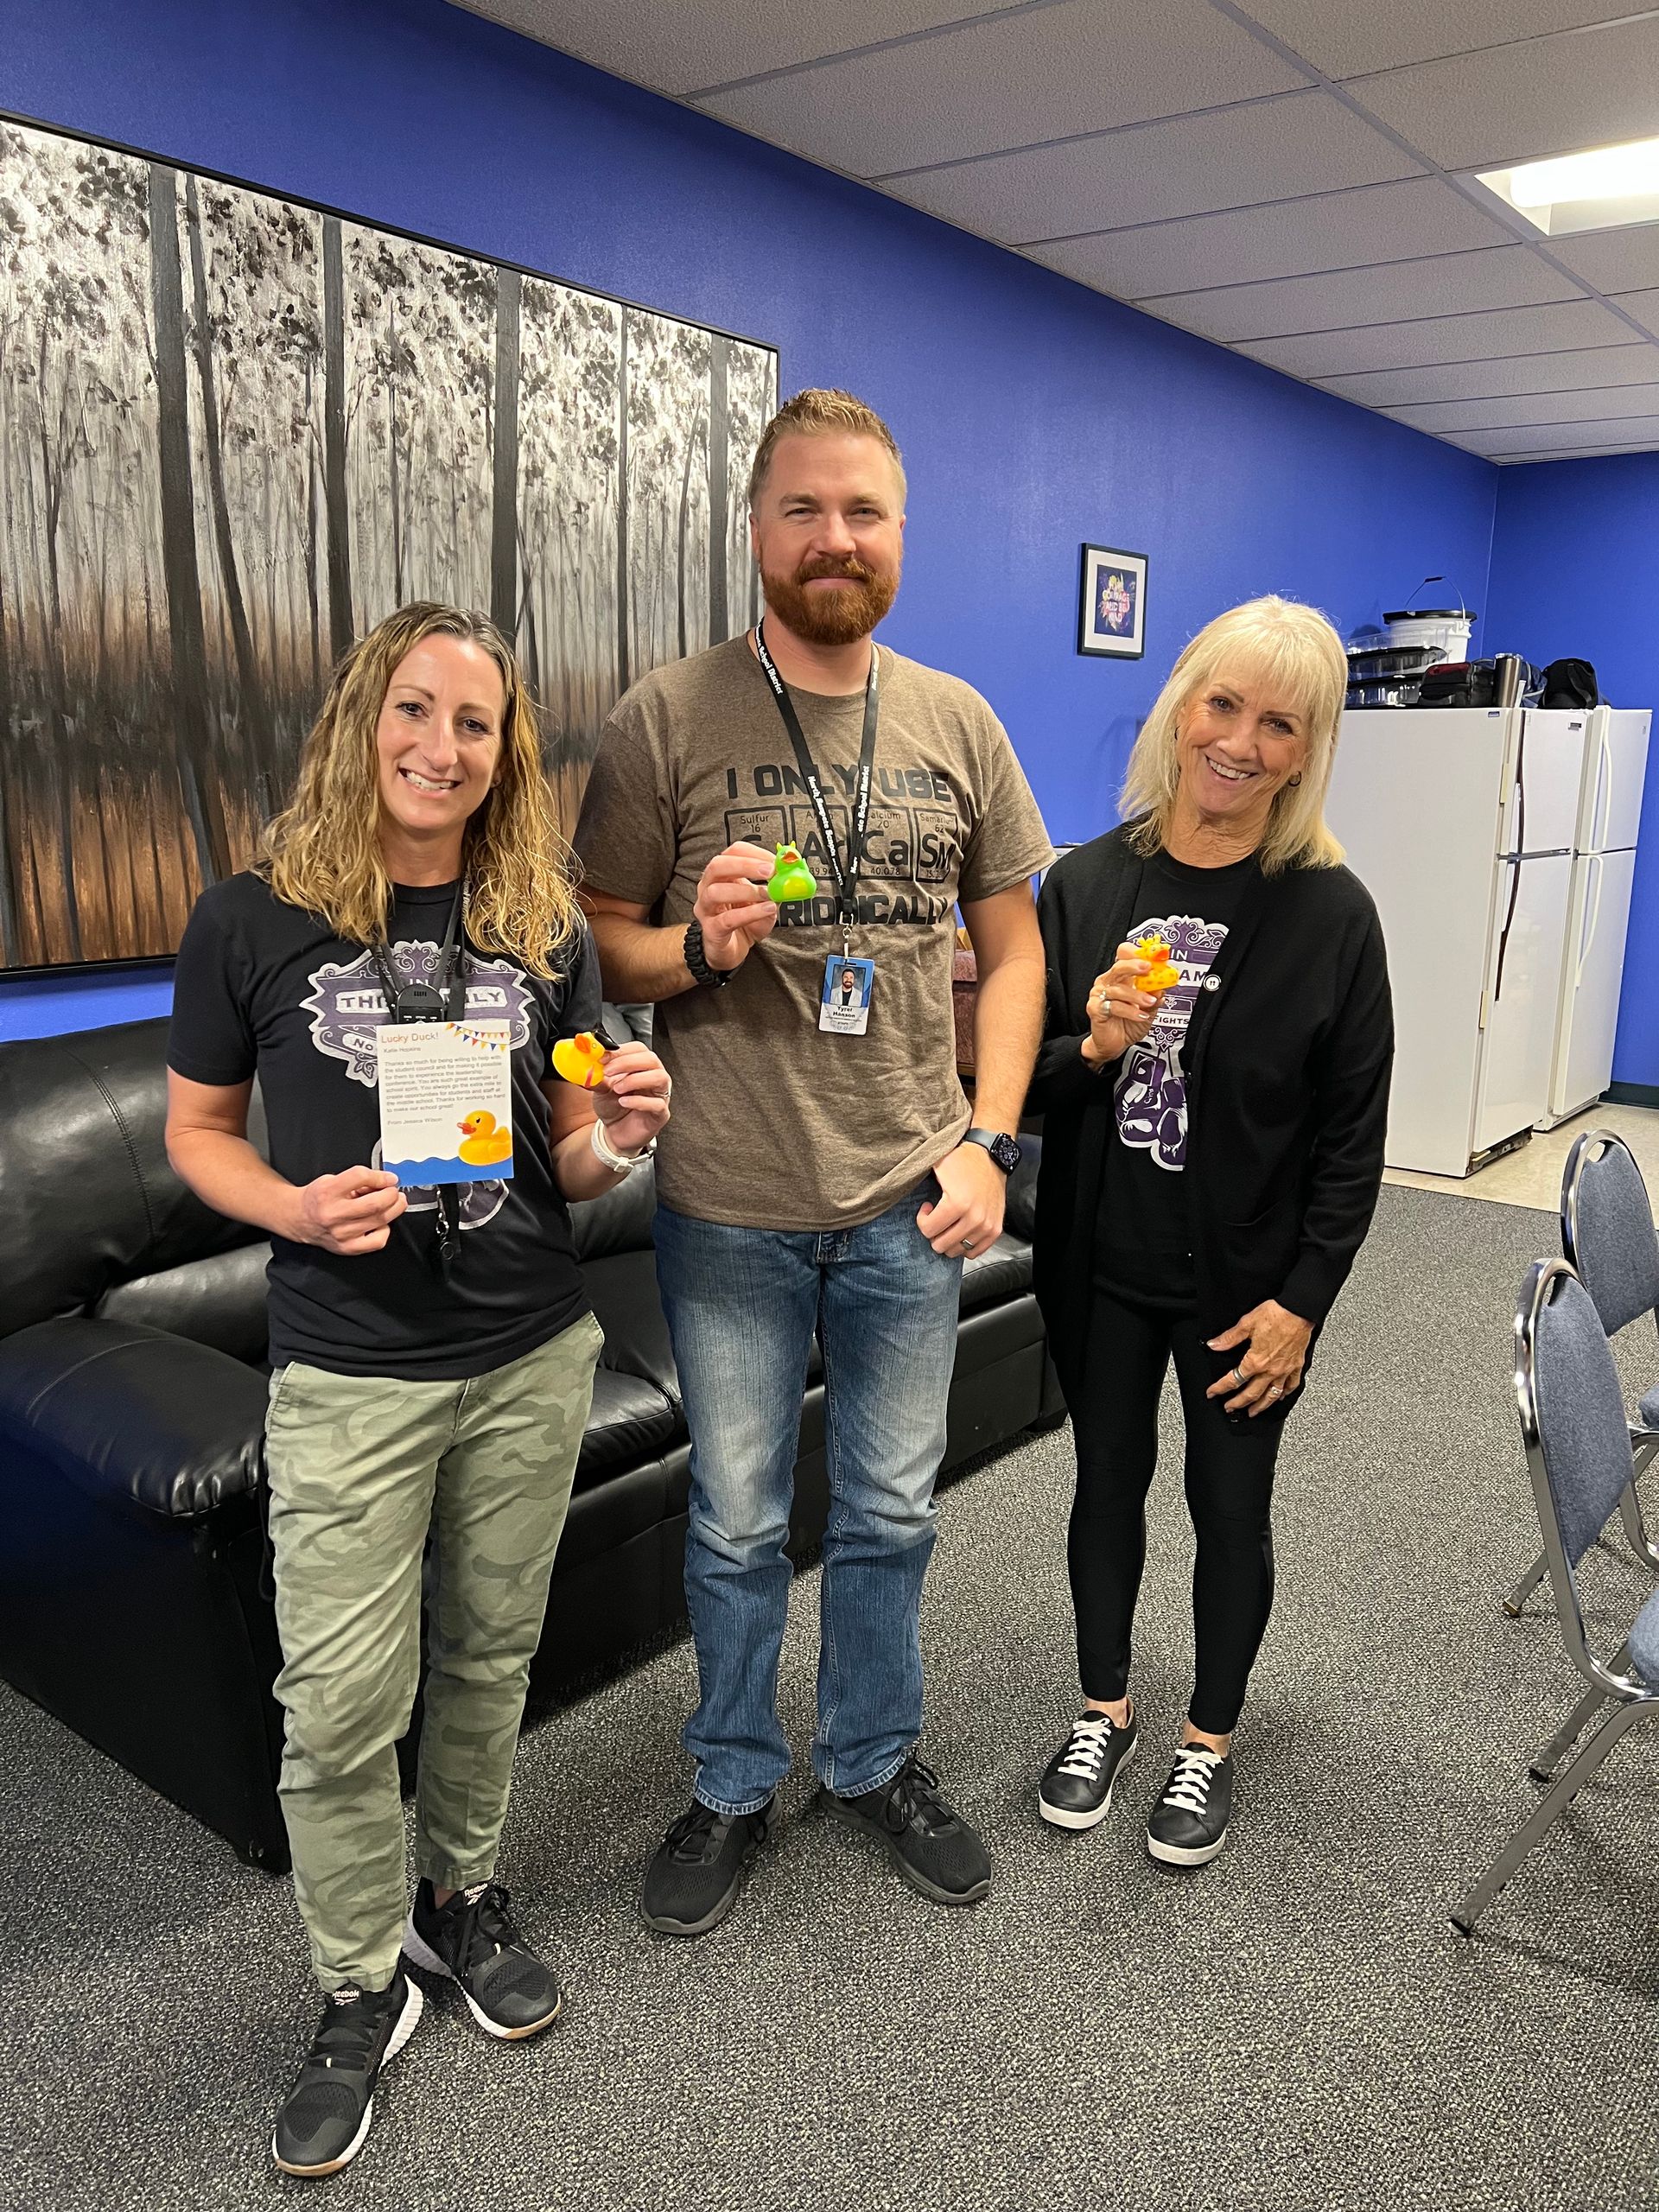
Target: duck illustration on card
[446, 1102]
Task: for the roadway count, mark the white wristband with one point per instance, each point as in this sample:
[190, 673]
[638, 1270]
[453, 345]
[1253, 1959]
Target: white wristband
[620, 1163]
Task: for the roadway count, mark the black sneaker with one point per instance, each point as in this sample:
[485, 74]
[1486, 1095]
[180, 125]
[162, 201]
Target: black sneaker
[692, 1883]
[933, 1846]
[1075, 1791]
[472, 1939]
[1189, 1822]
[322, 2125]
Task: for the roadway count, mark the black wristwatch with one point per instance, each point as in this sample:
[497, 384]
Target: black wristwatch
[1003, 1150]
[712, 979]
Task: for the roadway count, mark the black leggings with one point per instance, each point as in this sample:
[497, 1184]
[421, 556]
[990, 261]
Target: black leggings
[1228, 1492]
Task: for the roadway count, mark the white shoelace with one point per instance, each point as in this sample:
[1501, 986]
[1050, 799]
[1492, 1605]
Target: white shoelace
[1189, 1785]
[1085, 1749]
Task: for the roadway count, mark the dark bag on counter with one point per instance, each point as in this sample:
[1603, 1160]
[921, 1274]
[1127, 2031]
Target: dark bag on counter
[1459, 683]
[1570, 684]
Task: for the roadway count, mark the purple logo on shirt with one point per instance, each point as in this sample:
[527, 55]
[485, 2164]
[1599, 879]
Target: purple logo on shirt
[347, 1004]
[1151, 1095]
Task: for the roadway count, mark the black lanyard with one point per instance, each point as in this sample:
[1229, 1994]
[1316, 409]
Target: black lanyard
[844, 871]
[444, 999]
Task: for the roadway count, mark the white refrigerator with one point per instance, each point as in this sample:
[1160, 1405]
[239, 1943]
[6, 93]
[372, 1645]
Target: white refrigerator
[1462, 822]
[1599, 909]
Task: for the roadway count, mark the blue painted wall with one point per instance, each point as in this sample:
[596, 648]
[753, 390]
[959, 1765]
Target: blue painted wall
[1034, 414]
[1575, 571]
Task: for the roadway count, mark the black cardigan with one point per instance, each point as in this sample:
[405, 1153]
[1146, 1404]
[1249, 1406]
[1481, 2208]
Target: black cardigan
[1287, 1058]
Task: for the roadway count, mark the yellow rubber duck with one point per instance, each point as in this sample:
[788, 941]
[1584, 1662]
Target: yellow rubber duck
[1165, 975]
[483, 1144]
[580, 1059]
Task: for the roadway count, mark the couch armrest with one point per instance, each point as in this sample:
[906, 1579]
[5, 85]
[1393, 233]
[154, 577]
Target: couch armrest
[1020, 1218]
[133, 1414]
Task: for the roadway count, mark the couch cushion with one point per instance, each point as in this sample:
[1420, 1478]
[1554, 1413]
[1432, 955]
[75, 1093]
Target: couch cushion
[218, 1301]
[1003, 1270]
[148, 1420]
[623, 1289]
[630, 1421]
[618, 1220]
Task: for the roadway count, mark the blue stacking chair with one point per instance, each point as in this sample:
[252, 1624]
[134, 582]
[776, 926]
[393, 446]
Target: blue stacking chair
[1580, 1457]
[1608, 1239]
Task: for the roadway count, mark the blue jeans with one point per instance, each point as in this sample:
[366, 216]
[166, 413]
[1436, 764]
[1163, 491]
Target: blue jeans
[742, 1306]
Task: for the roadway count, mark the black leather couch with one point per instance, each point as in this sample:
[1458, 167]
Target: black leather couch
[132, 1398]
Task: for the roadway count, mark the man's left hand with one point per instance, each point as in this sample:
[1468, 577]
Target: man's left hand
[968, 1215]
[1272, 1368]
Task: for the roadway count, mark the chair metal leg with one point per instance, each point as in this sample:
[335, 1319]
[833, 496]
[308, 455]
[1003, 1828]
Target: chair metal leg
[1524, 1588]
[1635, 1533]
[1567, 1734]
[1548, 1810]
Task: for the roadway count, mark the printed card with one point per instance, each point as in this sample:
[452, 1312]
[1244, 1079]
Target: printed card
[446, 1102]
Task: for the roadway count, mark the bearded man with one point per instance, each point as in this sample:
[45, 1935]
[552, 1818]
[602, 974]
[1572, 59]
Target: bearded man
[812, 1177]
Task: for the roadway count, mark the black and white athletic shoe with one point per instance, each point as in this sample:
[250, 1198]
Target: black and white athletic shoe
[1075, 1791]
[931, 1844]
[692, 1882]
[1189, 1822]
[322, 2125]
[473, 1940]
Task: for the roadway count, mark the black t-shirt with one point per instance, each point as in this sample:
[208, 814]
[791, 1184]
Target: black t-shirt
[1144, 1248]
[264, 987]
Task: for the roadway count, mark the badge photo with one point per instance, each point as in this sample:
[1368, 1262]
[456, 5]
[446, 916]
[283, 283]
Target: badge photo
[844, 1006]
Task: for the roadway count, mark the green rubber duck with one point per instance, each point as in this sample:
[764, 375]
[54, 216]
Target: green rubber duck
[791, 879]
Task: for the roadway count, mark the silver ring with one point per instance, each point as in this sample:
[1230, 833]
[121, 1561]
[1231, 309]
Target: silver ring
[1238, 1379]
[1277, 1390]
[967, 1243]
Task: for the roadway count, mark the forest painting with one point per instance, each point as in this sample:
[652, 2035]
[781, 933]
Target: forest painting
[234, 433]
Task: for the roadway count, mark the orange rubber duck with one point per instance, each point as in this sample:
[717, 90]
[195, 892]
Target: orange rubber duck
[580, 1061]
[1165, 975]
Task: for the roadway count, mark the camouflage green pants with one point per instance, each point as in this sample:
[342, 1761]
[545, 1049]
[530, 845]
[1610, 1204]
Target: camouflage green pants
[360, 1469]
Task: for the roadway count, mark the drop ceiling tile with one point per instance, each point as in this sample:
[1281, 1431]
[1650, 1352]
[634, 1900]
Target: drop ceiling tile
[1549, 438]
[1641, 307]
[675, 47]
[1569, 453]
[1612, 261]
[1021, 77]
[1451, 283]
[1442, 417]
[1343, 37]
[1442, 338]
[1302, 142]
[1337, 230]
[1517, 102]
[1630, 363]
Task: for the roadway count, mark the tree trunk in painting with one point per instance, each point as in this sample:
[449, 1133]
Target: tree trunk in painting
[719, 619]
[679, 558]
[623, 677]
[8, 940]
[197, 778]
[341, 624]
[503, 513]
[258, 721]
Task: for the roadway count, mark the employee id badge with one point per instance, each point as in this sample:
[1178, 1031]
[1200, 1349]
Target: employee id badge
[445, 1101]
[844, 1008]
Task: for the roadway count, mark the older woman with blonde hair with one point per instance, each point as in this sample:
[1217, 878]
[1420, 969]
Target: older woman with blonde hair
[1214, 1081]
[432, 1347]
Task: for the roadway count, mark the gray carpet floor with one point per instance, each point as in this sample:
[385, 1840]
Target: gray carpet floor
[1295, 2026]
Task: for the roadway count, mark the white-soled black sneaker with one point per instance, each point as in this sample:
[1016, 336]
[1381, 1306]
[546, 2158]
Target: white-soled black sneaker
[327, 2113]
[1189, 1822]
[474, 1939]
[1076, 1791]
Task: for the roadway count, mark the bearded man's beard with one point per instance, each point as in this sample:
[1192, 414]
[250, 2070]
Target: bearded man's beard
[832, 618]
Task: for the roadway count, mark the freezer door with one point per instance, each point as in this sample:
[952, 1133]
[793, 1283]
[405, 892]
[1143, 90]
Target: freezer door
[1522, 997]
[1545, 778]
[1616, 768]
[1415, 799]
[1598, 917]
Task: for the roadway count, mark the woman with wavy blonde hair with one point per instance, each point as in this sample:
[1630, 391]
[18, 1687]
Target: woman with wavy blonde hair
[432, 1348]
[1214, 1080]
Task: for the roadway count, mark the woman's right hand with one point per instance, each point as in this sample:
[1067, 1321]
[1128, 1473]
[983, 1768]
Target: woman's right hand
[350, 1212]
[1120, 1013]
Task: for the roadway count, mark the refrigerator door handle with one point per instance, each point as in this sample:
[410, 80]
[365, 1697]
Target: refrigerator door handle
[1509, 920]
[1604, 813]
[1592, 916]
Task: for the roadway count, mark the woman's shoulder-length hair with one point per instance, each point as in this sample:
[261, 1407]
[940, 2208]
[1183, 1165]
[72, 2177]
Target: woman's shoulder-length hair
[1295, 650]
[322, 851]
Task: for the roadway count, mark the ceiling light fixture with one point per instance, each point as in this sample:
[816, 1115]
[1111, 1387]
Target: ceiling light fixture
[1595, 191]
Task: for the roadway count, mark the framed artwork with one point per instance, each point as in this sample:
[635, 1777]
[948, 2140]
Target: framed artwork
[1112, 603]
[236, 431]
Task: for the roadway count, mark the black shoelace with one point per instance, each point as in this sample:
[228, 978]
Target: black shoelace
[692, 1839]
[487, 1926]
[350, 2027]
[914, 1794]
